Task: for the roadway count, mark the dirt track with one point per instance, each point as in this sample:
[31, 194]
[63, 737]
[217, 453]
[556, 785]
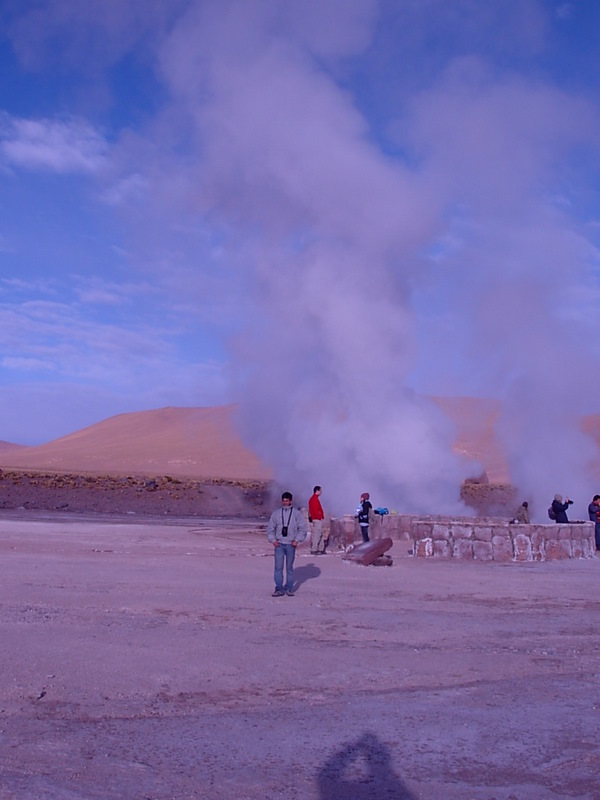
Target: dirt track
[148, 660]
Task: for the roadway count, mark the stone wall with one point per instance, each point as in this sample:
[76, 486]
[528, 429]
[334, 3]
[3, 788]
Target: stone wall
[475, 539]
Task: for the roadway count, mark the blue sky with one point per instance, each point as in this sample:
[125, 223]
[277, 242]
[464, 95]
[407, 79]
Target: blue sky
[274, 202]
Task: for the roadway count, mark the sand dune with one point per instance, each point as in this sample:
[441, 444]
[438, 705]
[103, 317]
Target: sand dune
[203, 443]
[192, 442]
[7, 447]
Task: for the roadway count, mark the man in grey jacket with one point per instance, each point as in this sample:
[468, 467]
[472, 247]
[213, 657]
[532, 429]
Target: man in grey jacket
[286, 529]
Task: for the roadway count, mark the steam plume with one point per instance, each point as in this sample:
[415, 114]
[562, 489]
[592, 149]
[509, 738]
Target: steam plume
[446, 252]
[350, 246]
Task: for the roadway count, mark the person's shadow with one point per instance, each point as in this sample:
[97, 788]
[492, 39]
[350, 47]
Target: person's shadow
[305, 573]
[362, 770]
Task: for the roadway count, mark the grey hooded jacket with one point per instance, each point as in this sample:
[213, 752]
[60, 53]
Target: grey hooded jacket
[291, 517]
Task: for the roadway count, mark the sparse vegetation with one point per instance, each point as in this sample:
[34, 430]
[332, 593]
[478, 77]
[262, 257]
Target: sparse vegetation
[143, 494]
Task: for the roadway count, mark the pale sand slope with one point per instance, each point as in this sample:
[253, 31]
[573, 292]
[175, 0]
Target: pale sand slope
[192, 442]
[7, 447]
[204, 443]
[150, 661]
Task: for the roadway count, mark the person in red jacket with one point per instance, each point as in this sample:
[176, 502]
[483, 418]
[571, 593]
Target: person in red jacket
[316, 518]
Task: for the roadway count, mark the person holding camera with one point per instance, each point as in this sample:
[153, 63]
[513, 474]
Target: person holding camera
[286, 529]
[560, 508]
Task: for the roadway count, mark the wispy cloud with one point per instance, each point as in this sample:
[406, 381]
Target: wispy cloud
[26, 364]
[27, 287]
[97, 291]
[75, 341]
[71, 343]
[62, 146]
[129, 188]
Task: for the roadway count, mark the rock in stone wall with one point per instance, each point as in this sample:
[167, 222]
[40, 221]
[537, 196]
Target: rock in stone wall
[476, 539]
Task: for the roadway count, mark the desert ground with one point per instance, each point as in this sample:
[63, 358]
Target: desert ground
[143, 657]
[146, 659]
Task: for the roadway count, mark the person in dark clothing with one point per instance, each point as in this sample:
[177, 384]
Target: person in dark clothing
[522, 515]
[362, 513]
[560, 508]
[594, 515]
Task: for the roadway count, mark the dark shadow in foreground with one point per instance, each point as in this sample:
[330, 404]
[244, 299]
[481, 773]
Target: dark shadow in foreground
[305, 573]
[362, 770]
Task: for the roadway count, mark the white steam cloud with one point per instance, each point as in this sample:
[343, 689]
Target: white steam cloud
[471, 228]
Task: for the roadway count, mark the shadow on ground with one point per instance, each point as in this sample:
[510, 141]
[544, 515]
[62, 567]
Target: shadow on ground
[362, 770]
[305, 573]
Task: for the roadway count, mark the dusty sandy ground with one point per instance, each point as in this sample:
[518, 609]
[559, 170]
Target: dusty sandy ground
[147, 660]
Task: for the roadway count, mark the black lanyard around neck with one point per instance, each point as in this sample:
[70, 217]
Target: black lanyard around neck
[283, 525]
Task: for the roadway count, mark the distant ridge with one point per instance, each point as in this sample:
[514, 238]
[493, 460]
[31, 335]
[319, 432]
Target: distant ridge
[6, 447]
[203, 443]
[190, 442]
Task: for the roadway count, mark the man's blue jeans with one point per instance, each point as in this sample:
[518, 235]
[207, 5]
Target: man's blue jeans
[287, 553]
